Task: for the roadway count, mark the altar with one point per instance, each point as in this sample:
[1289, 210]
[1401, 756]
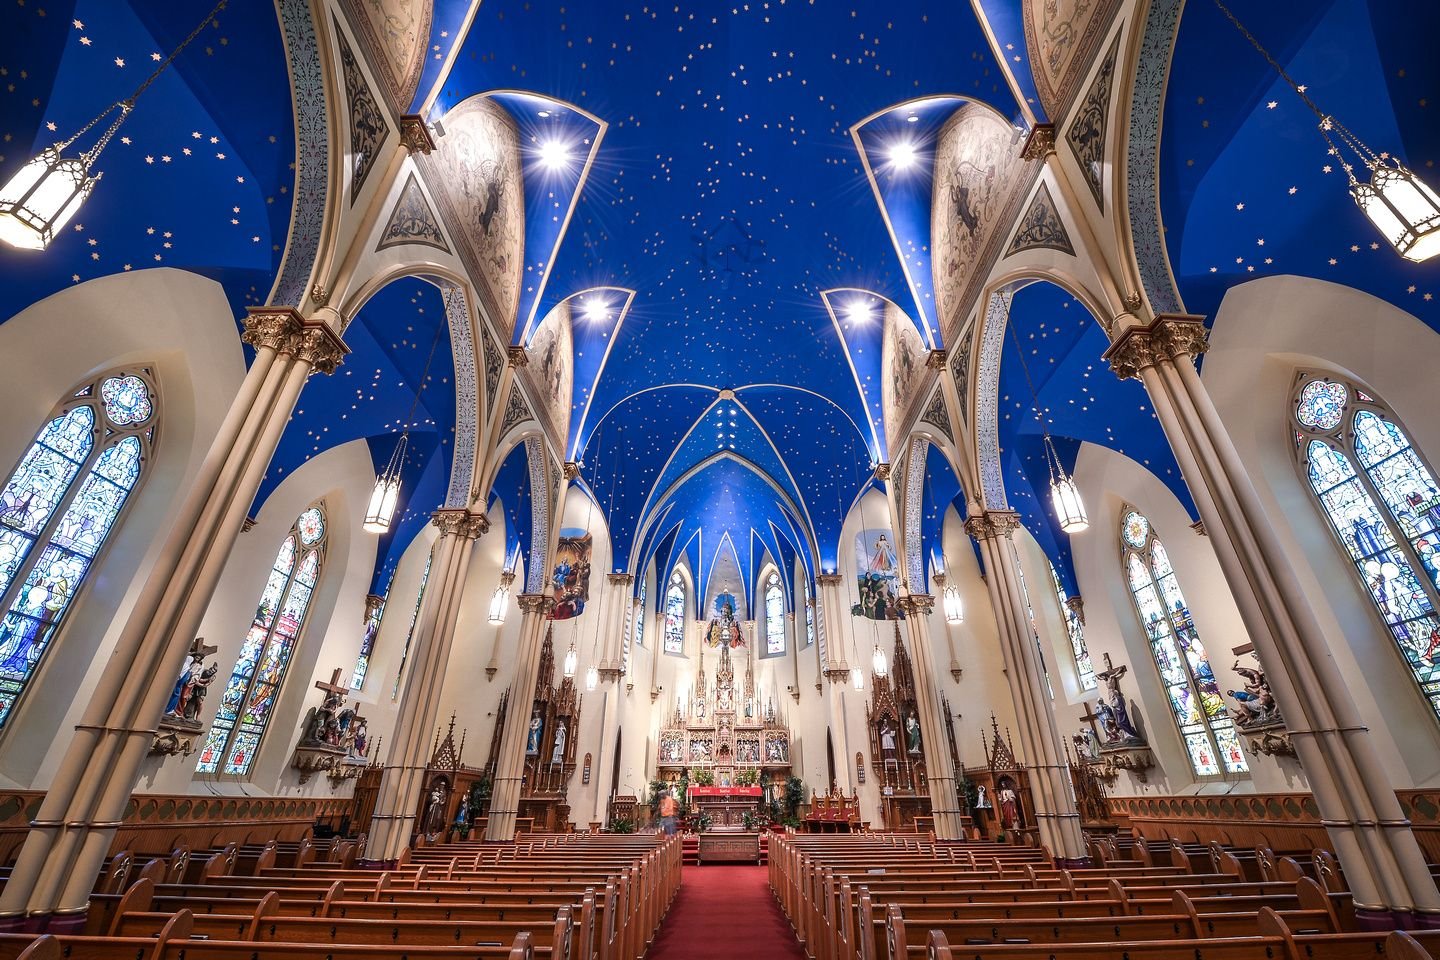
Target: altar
[725, 806]
[729, 848]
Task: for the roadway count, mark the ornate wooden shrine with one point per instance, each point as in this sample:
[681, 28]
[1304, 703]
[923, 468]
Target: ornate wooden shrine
[550, 746]
[897, 744]
[723, 739]
[455, 793]
[1003, 801]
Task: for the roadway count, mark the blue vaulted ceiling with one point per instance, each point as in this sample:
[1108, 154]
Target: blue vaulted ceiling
[199, 177]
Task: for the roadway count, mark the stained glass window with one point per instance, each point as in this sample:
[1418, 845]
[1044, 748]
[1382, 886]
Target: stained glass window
[254, 685]
[640, 617]
[410, 631]
[675, 615]
[1383, 504]
[1075, 627]
[374, 613]
[1034, 630]
[58, 507]
[809, 616]
[774, 616]
[1180, 657]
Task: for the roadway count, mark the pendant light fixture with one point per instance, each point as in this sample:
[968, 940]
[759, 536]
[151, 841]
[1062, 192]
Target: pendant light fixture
[1399, 204]
[381, 511]
[572, 659]
[879, 665]
[1064, 494]
[500, 599]
[953, 605]
[42, 197]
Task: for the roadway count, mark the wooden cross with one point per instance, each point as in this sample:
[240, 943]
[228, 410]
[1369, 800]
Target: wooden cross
[1090, 716]
[200, 649]
[334, 688]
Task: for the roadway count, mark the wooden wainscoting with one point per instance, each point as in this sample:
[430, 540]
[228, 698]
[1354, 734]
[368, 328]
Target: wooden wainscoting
[157, 823]
[1281, 821]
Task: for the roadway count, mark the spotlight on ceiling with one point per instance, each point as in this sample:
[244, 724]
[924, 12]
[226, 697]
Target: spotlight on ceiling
[903, 155]
[859, 311]
[595, 310]
[554, 154]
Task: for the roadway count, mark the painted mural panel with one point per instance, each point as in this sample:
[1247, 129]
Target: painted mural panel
[902, 367]
[396, 32]
[877, 575]
[477, 170]
[571, 577]
[977, 180]
[1063, 36]
[551, 371]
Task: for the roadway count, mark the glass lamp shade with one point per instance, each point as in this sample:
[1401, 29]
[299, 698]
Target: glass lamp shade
[1069, 508]
[499, 601]
[878, 663]
[592, 678]
[1404, 209]
[42, 197]
[954, 607]
[382, 504]
[572, 660]
[857, 678]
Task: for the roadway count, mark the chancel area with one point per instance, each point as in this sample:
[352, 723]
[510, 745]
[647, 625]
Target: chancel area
[609, 480]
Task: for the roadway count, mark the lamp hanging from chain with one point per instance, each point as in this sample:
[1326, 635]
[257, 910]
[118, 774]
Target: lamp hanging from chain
[592, 678]
[1064, 494]
[879, 665]
[1399, 204]
[572, 659]
[500, 599]
[385, 496]
[857, 679]
[950, 601]
[42, 197]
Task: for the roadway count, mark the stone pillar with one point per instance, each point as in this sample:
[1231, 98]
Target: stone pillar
[393, 822]
[505, 800]
[837, 672]
[71, 834]
[944, 801]
[612, 628]
[617, 606]
[1056, 817]
[1383, 863]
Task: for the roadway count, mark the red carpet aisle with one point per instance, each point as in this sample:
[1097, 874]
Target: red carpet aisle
[724, 912]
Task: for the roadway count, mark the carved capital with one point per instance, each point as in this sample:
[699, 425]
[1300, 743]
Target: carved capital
[839, 674]
[571, 469]
[535, 603]
[609, 671]
[992, 524]
[882, 471]
[1199, 527]
[1039, 142]
[517, 356]
[935, 360]
[273, 327]
[619, 579]
[460, 523]
[918, 604]
[320, 348]
[1167, 337]
[829, 579]
[1077, 604]
[415, 134]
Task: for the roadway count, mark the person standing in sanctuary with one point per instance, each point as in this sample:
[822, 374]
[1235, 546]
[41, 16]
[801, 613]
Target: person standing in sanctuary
[668, 809]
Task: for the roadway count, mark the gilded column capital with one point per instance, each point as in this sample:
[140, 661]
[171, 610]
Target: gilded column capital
[273, 327]
[415, 134]
[535, 602]
[320, 348]
[619, 579]
[882, 470]
[935, 359]
[918, 604]
[517, 356]
[460, 523]
[1039, 142]
[838, 674]
[1167, 337]
[1077, 604]
[571, 469]
[829, 579]
[992, 524]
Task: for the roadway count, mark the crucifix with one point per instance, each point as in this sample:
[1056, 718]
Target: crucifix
[335, 691]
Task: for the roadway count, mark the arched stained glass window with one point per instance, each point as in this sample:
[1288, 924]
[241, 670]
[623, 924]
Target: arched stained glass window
[1383, 504]
[1034, 629]
[1075, 627]
[374, 613]
[410, 631]
[250, 695]
[809, 616]
[774, 615]
[640, 617]
[58, 507]
[1189, 682]
[675, 615]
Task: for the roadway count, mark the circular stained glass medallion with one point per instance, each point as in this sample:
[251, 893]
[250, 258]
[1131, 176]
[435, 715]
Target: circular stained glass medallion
[1136, 529]
[1322, 405]
[311, 526]
[127, 400]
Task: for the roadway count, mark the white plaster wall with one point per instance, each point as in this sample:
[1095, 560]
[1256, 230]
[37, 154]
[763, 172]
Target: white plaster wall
[180, 325]
[1264, 332]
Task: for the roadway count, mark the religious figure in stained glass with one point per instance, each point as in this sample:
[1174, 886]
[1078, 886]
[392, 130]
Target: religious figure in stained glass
[1383, 504]
[1075, 628]
[58, 507]
[774, 616]
[249, 696]
[1206, 728]
[675, 614]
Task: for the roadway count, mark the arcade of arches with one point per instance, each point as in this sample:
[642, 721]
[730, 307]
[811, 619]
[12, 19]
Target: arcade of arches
[469, 423]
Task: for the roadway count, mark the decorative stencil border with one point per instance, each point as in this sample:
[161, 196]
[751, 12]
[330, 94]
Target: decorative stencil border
[987, 403]
[467, 401]
[1142, 160]
[536, 565]
[312, 140]
[914, 503]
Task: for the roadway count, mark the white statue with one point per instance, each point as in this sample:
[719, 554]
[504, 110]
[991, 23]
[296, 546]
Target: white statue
[558, 757]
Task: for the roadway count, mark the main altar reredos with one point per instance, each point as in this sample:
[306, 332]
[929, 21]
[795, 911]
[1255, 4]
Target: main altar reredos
[735, 753]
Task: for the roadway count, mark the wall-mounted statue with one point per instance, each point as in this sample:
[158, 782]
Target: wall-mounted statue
[189, 694]
[1255, 704]
[1112, 710]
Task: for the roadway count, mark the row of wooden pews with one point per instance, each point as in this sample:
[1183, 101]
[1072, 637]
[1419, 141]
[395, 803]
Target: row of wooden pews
[566, 897]
[893, 897]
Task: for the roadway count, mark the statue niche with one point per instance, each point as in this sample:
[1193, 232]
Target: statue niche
[897, 743]
[550, 746]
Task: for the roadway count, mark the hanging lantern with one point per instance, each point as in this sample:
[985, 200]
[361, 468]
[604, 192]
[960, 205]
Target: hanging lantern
[879, 665]
[572, 660]
[1403, 208]
[1064, 495]
[592, 678]
[954, 607]
[386, 494]
[500, 599]
[857, 678]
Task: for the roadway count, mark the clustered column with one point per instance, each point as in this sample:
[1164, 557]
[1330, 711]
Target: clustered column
[612, 666]
[401, 781]
[505, 800]
[1383, 864]
[71, 834]
[944, 800]
[1055, 813]
[837, 672]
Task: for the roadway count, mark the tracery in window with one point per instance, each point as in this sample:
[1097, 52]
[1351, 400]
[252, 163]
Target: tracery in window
[809, 616]
[254, 685]
[640, 617]
[1189, 682]
[675, 615]
[374, 613]
[58, 507]
[1383, 504]
[1034, 628]
[410, 631]
[774, 615]
[1084, 669]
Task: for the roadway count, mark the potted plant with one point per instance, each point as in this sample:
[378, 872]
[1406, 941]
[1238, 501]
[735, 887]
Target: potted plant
[622, 826]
